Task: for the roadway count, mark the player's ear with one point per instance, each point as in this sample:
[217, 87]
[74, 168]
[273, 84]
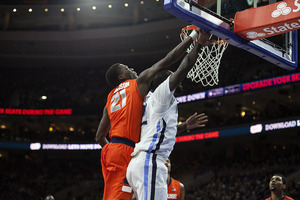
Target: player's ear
[121, 77]
[284, 187]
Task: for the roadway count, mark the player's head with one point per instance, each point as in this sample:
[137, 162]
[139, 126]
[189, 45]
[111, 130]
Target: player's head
[118, 73]
[277, 183]
[159, 78]
[49, 197]
[168, 165]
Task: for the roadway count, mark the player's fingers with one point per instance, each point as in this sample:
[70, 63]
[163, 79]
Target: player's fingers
[204, 121]
[202, 117]
[201, 125]
[195, 114]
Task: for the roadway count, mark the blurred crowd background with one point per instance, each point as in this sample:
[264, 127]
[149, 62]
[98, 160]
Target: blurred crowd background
[208, 175]
[57, 59]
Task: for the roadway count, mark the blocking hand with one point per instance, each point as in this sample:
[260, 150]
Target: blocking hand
[196, 120]
[204, 37]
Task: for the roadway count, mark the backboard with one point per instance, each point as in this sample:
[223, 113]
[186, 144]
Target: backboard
[216, 17]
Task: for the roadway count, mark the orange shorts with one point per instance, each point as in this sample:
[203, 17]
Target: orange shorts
[115, 158]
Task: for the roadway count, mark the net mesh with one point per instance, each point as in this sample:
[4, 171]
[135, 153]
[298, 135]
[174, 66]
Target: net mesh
[206, 68]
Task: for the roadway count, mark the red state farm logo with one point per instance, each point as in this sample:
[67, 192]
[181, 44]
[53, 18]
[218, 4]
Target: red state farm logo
[282, 9]
[276, 19]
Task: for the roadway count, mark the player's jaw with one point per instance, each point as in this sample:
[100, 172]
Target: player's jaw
[133, 73]
[273, 186]
[129, 72]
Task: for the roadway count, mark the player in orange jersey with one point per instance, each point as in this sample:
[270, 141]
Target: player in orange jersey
[122, 118]
[277, 186]
[175, 188]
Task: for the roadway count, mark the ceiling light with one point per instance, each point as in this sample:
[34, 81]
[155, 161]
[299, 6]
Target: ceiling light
[46, 9]
[142, 2]
[243, 113]
[109, 6]
[14, 10]
[78, 9]
[30, 10]
[126, 4]
[94, 7]
[62, 10]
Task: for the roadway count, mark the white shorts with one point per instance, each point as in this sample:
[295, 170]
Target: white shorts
[147, 175]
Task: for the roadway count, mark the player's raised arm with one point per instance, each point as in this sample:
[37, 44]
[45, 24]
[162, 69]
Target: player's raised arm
[189, 60]
[174, 55]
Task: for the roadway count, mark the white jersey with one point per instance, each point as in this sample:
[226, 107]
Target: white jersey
[146, 172]
[159, 122]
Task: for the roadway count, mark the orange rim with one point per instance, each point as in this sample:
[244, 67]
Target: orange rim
[193, 27]
[220, 42]
[189, 27]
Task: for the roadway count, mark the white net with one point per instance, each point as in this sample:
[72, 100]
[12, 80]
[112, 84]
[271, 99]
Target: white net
[206, 68]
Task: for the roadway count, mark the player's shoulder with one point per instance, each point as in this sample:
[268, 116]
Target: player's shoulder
[288, 198]
[130, 81]
[175, 181]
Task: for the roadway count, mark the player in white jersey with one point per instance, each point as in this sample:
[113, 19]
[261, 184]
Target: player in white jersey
[146, 172]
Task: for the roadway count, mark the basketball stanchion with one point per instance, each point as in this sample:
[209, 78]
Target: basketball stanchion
[206, 68]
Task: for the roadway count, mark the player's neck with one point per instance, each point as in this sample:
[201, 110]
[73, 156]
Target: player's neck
[277, 195]
[169, 179]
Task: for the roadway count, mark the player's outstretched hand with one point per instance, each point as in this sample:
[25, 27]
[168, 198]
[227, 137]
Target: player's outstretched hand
[203, 37]
[196, 120]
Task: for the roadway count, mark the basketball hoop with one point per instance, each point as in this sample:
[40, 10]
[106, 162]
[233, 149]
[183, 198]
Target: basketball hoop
[206, 68]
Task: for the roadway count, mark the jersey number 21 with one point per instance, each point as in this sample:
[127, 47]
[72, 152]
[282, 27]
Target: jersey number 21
[115, 99]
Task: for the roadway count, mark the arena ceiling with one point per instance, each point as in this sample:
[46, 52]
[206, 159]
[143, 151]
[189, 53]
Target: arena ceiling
[86, 36]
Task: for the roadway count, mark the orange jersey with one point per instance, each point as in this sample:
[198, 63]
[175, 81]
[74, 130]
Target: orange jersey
[285, 198]
[125, 109]
[174, 189]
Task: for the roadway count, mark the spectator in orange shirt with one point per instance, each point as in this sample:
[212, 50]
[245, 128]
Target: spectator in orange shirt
[277, 187]
[175, 188]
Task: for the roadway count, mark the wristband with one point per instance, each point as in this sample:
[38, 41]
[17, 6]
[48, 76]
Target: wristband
[194, 35]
